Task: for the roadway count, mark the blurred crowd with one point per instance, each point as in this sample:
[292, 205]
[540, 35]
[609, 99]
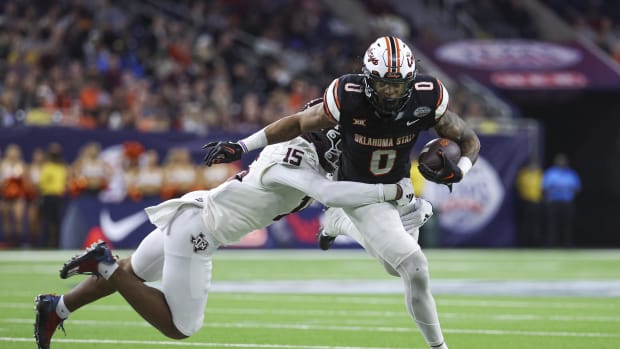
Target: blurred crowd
[156, 66]
[594, 20]
[185, 65]
[33, 194]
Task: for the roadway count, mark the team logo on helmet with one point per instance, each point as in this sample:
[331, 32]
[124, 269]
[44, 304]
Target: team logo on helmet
[371, 57]
[410, 59]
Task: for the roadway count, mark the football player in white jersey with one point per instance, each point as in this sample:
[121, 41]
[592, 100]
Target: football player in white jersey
[380, 113]
[284, 179]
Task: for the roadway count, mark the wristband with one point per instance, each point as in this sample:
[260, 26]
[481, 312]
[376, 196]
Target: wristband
[389, 192]
[464, 164]
[255, 141]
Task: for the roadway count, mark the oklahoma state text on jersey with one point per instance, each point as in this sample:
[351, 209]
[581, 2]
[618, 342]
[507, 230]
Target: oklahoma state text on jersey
[375, 149]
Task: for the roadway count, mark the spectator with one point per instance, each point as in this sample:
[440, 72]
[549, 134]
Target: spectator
[560, 185]
[213, 176]
[13, 205]
[53, 186]
[147, 179]
[529, 188]
[33, 196]
[89, 174]
[180, 174]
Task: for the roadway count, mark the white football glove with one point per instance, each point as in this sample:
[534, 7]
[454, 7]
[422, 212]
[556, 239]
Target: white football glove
[407, 197]
[415, 215]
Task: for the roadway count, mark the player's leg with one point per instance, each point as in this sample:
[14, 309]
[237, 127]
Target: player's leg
[335, 222]
[187, 269]
[52, 310]
[419, 300]
[177, 310]
[382, 229]
[145, 263]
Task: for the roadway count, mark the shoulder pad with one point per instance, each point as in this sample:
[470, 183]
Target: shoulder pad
[432, 92]
[341, 92]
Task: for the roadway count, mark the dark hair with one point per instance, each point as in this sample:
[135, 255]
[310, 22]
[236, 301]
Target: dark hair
[54, 153]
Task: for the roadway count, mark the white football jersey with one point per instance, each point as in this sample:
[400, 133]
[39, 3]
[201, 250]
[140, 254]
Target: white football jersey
[237, 207]
[284, 179]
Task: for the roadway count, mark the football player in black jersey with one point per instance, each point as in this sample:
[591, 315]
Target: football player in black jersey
[380, 113]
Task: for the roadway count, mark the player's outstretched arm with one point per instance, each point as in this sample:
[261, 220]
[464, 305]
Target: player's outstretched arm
[338, 193]
[311, 119]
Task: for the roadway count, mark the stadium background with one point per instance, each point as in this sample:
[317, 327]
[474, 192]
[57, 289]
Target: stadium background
[534, 78]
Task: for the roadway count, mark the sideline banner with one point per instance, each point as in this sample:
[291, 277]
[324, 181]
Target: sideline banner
[479, 212]
[124, 224]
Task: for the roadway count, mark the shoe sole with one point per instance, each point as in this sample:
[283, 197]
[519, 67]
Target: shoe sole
[38, 308]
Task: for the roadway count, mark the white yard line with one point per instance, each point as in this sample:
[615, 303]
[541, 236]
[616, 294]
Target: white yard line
[336, 328]
[591, 288]
[190, 344]
[356, 314]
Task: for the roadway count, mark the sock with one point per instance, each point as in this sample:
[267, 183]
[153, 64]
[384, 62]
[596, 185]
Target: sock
[61, 309]
[106, 270]
[440, 346]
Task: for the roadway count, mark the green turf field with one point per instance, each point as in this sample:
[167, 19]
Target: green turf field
[343, 300]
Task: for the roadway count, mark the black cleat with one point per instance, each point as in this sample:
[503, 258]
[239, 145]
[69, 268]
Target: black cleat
[88, 261]
[325, 241]
[46, 320]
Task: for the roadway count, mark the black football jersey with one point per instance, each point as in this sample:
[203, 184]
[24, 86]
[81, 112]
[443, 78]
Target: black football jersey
[376, 149]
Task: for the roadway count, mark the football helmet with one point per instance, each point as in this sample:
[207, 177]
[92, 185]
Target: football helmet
[389, 69]
[328, 144]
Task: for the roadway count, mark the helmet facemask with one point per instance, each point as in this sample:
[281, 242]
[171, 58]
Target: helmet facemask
[387, 95]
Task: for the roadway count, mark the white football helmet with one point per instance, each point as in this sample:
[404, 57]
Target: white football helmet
[389, 69]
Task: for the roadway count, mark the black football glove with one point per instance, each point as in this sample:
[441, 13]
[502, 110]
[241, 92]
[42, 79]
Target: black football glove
[448, 174]
[221, 152]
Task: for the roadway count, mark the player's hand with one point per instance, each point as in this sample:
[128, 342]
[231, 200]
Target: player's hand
[415, 215]
[221, 152]
[448, 174]
[406, 190]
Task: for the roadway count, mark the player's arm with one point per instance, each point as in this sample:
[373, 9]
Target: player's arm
[333, 193]
[453, 127]
[284, 129]
[312, 119]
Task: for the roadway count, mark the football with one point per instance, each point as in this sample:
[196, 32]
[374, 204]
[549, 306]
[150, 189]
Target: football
[429, 157]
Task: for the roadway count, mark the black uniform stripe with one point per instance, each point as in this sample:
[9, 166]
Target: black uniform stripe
[394, 59]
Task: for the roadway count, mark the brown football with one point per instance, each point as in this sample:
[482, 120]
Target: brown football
[429, 153]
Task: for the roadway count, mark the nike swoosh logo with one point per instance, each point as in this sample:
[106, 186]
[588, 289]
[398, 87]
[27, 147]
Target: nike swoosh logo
[449, 177]
[120, 229]
[409, 123]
